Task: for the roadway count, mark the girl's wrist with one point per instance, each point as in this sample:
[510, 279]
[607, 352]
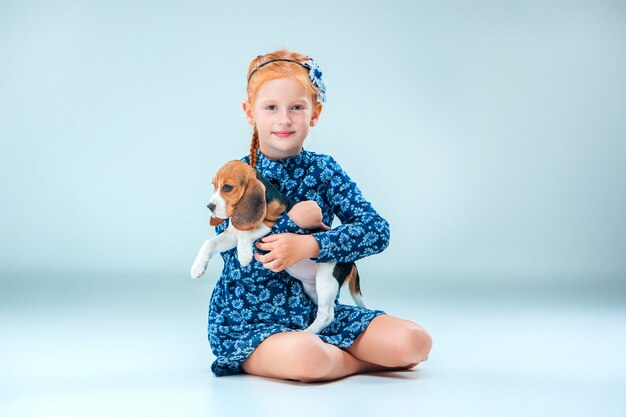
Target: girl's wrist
[310, 247]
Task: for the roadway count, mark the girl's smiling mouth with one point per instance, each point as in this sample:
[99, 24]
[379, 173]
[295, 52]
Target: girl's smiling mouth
[284, 133]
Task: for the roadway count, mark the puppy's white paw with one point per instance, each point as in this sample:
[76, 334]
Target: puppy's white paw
[321, 321]
[199, 266]
[246, 261]
[197, 269]
[317, 326]
[315, 329]
[244, 256]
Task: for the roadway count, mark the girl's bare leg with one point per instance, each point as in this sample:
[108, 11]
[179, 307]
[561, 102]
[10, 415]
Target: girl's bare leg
[392, 342]
[303, 356]
[388, 343]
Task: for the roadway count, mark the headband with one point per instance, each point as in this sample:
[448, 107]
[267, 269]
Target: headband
[315, 74]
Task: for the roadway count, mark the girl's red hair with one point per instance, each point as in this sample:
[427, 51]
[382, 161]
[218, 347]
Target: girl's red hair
[272, 71]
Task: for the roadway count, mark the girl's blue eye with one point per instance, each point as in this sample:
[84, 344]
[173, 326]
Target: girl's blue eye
[272, 107]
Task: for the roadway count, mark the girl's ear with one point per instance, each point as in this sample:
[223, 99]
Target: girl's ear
[317, 110]
[250, 209]
[247, 109]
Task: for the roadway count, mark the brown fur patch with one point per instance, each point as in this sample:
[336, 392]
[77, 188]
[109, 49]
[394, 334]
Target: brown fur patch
[237, 174]
[245, 203]
[216, 221]
[353, 280]
[275, 209]
[268, 223]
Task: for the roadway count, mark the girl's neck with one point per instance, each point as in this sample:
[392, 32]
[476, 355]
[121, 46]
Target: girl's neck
[275, 155]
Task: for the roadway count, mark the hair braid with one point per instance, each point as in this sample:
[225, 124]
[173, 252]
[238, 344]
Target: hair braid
[254, 146]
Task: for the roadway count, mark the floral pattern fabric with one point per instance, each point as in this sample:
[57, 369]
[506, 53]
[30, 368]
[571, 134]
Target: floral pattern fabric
[251, 303]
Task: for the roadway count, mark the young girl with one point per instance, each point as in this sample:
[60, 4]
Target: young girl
[257, 312]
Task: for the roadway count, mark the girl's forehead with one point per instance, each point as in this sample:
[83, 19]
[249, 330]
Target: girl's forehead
[283, 89]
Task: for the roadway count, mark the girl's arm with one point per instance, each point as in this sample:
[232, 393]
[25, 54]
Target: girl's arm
[362, 232]
[287, 235]
[303, 215]
[286, 249]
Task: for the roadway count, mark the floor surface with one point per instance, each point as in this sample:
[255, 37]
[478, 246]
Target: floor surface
[137, 347]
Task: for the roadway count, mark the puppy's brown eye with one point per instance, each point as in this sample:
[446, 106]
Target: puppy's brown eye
[227, 188]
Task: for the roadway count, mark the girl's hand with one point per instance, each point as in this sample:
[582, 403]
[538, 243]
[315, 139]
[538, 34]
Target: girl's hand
[286, 249]
[307, 215]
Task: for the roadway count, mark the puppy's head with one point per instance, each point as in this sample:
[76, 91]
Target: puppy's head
[238, 195]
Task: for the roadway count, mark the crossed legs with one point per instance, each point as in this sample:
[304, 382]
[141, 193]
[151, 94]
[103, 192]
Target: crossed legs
[388, 343]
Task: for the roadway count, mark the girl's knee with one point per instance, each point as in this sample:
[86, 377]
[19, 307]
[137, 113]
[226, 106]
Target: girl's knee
[310, 358]
[414, 345]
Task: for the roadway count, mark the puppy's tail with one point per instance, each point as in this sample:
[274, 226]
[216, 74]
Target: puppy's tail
[354, 284]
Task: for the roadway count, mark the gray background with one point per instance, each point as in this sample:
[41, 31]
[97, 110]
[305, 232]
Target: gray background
[489, 134]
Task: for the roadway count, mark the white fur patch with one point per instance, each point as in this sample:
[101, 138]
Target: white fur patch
[220, 203]
[245, 242]
[326, 289]
[304, 271]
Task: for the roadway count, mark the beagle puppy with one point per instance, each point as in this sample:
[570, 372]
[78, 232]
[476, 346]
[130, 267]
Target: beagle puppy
[253, 206]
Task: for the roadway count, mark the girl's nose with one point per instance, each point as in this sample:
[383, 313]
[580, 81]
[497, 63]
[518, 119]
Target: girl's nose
[284, 118]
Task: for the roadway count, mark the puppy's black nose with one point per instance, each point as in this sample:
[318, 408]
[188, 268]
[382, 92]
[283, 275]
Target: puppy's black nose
[211, 206]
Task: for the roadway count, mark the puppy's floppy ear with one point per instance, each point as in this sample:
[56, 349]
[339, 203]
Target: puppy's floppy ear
[250, 209]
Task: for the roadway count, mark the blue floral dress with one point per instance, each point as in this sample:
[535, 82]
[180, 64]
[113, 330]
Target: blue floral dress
[251, 303]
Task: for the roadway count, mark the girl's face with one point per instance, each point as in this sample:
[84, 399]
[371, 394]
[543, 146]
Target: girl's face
[283, 112]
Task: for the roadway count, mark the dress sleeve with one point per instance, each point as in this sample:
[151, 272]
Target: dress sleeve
[362, 232]
[284, 224]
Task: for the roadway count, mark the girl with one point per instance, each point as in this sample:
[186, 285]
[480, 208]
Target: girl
[257, 312]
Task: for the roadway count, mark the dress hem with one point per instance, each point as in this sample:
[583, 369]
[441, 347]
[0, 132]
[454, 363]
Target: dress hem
[227, 367]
